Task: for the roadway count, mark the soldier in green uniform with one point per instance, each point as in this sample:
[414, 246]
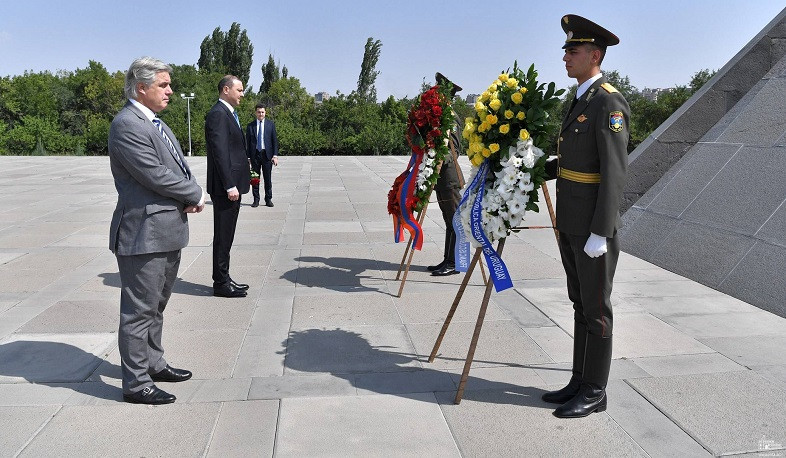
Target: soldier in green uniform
[590, 169]
[450, 182]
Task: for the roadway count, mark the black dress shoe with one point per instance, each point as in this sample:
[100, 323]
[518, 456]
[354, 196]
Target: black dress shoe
[447, 269]
[228, 291]
[240, 286]
[591, 398]
[150, 395]
[255, 204]
[437, 267]
[565, 394]
[269, 203]
[171, 374]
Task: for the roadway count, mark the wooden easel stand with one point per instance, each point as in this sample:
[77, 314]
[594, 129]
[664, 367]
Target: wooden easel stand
[484, 304]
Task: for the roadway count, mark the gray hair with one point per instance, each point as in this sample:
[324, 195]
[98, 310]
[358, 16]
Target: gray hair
[143, 70]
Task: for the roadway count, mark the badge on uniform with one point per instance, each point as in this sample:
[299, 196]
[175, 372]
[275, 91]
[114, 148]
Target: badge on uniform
[616, 121]
[581, 118]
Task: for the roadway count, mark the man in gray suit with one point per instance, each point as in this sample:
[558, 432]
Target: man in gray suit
[155, 191]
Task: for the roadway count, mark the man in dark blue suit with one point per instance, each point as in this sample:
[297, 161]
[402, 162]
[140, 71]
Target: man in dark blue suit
[227, 178]
[262, 152]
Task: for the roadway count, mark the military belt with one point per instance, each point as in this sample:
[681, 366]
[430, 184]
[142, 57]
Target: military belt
[579, 177]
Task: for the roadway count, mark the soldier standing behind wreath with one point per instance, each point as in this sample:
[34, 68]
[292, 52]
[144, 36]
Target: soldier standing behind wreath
[590, 169]
[450, 182]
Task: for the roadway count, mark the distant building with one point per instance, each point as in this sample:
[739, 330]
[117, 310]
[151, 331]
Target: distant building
[472, 98]
[320, 97]
[653, 94]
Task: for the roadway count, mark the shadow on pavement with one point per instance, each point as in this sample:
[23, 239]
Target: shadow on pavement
[54, 364]
[348, 355]
[181, 286]
[338, 273]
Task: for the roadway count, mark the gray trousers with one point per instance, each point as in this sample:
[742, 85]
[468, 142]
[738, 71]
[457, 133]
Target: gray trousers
[146, 284]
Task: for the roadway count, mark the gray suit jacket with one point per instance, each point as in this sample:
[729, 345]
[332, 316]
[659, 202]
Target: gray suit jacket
[152, 188]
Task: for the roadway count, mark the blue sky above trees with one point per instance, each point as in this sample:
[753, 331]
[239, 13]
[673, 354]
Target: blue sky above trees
[662, 43]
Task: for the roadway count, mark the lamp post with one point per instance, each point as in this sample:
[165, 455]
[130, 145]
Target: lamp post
[188, 104]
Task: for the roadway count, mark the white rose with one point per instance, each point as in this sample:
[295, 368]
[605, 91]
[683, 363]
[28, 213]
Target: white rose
[538, 152]
[529, 159]
[505, 192]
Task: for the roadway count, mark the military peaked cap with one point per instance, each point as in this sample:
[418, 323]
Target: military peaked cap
[581, 30]
[441, 79]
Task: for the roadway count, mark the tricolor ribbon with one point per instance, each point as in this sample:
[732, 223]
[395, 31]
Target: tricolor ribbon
[498, 271]
[406, 220]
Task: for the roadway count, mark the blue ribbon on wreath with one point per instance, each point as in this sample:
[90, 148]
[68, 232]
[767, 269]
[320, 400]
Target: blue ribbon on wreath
[498, 271]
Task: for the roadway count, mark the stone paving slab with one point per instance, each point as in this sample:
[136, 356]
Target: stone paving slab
[245, 429]
[52, 358]
[650, 428]
[726, 412]
[123, 429]
[520, 424]
[364, 426]
[19, 424]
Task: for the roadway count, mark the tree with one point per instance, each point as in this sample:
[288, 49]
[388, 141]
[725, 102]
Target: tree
[270, 74]
[228, 52]
[368, 74]
[700, 78]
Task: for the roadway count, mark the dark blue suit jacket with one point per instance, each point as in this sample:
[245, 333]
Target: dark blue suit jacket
[227, 165]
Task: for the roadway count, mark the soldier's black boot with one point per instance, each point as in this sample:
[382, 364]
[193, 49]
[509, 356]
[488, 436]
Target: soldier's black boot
[567, 393]
[592, 393]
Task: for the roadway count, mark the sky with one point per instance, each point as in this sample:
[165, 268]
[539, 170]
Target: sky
[662, 43]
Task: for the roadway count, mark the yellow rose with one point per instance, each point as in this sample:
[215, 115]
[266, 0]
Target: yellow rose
[477, 160]
[523, 90]
[520, 115]
[469, 120]
[479, 106]
[486, 152]
[476, 147]
[517, 97]
[484, 97]
[508, 114]
[497, 83]
[504, 129]
[491, 119]
[494, 147]
[503, 77]
[484, 127]
[492, 88]
[495, 104]
[469, 128]
[523, 135]
[512, 83]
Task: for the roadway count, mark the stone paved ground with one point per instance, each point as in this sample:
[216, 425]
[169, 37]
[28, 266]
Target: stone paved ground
[321, 359]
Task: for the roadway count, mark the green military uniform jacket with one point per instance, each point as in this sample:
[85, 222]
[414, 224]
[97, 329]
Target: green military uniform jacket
[592, 161]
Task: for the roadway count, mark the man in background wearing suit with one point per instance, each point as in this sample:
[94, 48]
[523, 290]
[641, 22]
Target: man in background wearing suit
[228, 177]
[155, 191]
[262, 152]
[591, 167]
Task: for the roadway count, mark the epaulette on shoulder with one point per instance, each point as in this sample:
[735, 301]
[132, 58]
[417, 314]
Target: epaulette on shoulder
[609, 88]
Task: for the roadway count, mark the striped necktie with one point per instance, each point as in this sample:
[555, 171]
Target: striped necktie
[169, 143]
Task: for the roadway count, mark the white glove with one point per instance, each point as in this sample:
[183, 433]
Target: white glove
[595, 246]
